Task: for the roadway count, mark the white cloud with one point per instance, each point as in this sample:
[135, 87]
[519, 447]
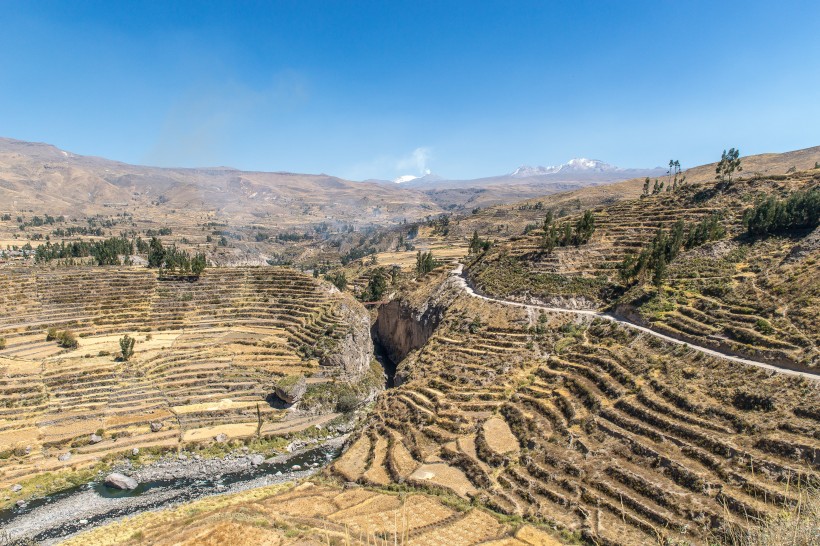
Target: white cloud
[417, 160]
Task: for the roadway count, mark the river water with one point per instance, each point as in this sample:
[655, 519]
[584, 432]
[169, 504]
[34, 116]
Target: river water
[49, 519]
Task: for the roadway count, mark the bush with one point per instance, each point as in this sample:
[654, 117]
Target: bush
[346, 403]
[51, 334]
[127, 347]
[800, 210]
[764, 327]
[748, 401]
[67, 340]
[2, 343]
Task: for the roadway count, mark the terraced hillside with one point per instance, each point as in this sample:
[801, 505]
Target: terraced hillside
[603, 431]
[207, 357]
[758, 297]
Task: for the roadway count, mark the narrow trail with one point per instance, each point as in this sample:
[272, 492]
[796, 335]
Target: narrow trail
[459, 275]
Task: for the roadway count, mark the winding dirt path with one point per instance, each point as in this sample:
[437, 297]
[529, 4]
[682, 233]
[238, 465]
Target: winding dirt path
[460, 278]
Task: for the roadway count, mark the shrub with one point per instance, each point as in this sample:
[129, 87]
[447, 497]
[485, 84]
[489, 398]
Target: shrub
[2, 343]
[748, 401]
[51, 334]
[346, 403]
[338, 279]
[763, 326]
[127, 347]
[800, 210]
[67, 340]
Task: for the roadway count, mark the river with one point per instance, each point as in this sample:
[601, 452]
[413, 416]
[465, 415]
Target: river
[47, 520]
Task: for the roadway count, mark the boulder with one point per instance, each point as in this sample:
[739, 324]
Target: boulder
[256, 460]
[291, 388]
[95, 439]
[16, 488]
[62, 457]
[135, 451]
[120, 481]
[156, 426]
[221, 438]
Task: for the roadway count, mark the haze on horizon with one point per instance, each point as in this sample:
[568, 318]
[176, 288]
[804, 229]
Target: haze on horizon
[380, 90]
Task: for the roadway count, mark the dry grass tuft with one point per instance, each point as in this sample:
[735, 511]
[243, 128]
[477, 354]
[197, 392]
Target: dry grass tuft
[797, 526]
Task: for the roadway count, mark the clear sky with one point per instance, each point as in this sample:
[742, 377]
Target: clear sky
[380, 89]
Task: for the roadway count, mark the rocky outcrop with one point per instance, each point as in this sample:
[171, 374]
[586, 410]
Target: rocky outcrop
[291, 389]
[120, 481]
[352, 353]
[403, 326]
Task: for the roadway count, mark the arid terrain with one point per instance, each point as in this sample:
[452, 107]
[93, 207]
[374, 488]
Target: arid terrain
[619, 364]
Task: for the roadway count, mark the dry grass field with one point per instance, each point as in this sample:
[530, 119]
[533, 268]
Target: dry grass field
[314, 513]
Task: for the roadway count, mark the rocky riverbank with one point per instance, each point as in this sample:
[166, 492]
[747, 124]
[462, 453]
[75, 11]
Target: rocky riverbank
[165, 483]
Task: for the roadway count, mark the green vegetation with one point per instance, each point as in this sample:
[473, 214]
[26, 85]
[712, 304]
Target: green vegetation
[477, 244]
[171, 260]
[800, 210]
[338, 279]
[376, 286]
[105, 252]
[728, 164]
[510, 275]
[126, 347]
[565, 235]
[665, 247]
[425, 263]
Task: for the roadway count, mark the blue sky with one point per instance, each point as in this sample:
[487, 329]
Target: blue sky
[380, 89]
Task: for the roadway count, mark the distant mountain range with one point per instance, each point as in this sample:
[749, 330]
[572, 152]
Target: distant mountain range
[578, 170]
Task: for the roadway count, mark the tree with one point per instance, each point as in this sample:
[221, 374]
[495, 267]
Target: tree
[339, 279]
[659, 271]
[424, 262]
[728, 164]
[376, 287]
[475, 243]
[198, 264]
[127, 347]
[156, 253]
[584, 228]
[547, 220]
[645, 187]
[800, 210]
[551, 239]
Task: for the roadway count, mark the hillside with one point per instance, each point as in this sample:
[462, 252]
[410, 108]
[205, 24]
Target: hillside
[208, 358]
[199, 205]
[544, 386]
[610, 434]
[755, 296]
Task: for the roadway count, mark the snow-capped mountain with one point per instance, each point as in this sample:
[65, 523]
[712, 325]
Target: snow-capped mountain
[405, 178]
[577, 165]
[427, 177]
